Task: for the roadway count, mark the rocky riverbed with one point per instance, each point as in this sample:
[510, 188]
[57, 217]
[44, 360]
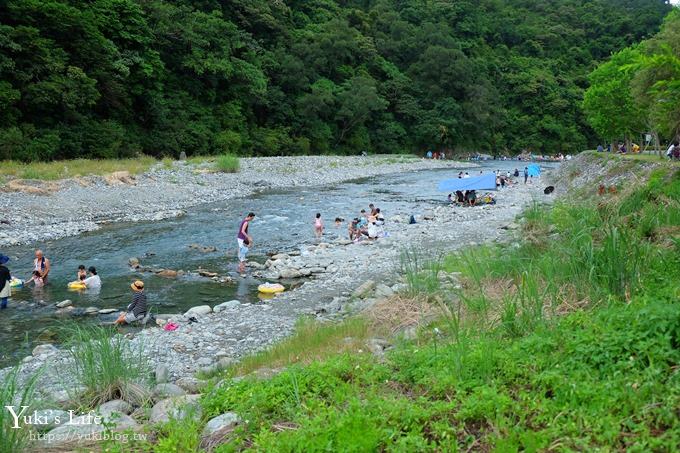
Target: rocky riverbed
[34, 211]
[340, 278]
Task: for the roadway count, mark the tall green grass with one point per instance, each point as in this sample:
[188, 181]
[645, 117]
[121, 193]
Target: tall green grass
[421, 274]
[107, 365]
[62, 169]
[14, 394]
[227, 163]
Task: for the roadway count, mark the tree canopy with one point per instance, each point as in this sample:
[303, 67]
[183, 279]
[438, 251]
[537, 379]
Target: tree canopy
[638, 88]
[113, 78]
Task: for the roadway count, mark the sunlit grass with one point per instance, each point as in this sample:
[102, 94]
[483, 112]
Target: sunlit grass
[311, 341]
[63, 169]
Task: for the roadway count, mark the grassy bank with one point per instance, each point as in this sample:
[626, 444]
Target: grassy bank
[62, 169]
[568, 338]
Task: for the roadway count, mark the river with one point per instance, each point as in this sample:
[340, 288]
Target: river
[283, 222]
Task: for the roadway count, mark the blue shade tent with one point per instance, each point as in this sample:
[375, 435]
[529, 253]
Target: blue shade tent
[484, 182]
[534, 170]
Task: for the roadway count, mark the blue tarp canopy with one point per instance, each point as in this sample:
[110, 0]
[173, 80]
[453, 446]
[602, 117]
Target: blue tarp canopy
[483, 182]
[534, 170]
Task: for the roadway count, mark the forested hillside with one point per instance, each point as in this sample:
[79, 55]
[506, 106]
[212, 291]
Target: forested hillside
[112, 78]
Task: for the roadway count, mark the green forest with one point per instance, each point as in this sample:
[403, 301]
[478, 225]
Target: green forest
[637, 91]
[117, 78]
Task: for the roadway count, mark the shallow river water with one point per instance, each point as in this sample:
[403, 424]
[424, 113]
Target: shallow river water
[284, 222]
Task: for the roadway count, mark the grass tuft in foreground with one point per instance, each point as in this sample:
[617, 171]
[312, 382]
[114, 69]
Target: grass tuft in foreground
[13, 394]
[107, 366]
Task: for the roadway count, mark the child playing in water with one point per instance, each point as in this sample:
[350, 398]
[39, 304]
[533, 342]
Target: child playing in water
[318, 225]
[82, 275]
[36, 279]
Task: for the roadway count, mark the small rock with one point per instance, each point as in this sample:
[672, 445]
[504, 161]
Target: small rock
[191, 384]
[364, 290]
[179, 407]
[227, 305]
[383, 291]
[199, 310]
[49, 418]
[162, 374]
[119, 406]
[224, 363]
[168, 273]
[64, 304]
[208, 274]
[221, 422]
[91, 311]
[167, 390]
[106, 311]
[44, 349]
[289, 273]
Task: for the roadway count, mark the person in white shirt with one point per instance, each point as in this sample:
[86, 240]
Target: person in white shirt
[93, 281]
[671, 148]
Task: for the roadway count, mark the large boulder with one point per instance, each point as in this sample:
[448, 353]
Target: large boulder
[179, 407]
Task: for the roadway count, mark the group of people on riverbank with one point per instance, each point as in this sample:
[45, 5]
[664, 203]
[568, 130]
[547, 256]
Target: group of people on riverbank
[368, 225]
[87, 279]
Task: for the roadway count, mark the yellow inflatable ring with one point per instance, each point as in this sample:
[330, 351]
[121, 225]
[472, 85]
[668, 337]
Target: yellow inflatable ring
[16, 282]
[271, 288]
[77, 285]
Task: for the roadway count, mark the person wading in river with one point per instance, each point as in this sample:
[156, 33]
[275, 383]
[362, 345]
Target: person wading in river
[42, 265]
[5, 279]
[245, 241]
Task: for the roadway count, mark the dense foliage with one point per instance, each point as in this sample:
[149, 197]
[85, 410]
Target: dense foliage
[636, 91]
[111, 78]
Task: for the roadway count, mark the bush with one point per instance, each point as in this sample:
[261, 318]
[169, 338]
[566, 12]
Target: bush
[228, 142]
[227, 163]
[107, 365]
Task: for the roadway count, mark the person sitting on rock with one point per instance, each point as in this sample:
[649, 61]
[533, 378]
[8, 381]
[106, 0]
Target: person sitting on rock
[136, 311]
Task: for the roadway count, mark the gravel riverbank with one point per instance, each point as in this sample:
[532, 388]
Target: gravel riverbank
[335, 268]
[70, 207]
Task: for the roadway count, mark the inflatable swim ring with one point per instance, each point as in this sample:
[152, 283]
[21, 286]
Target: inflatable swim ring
[16, 282]
[270, 288]
[77, 285]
